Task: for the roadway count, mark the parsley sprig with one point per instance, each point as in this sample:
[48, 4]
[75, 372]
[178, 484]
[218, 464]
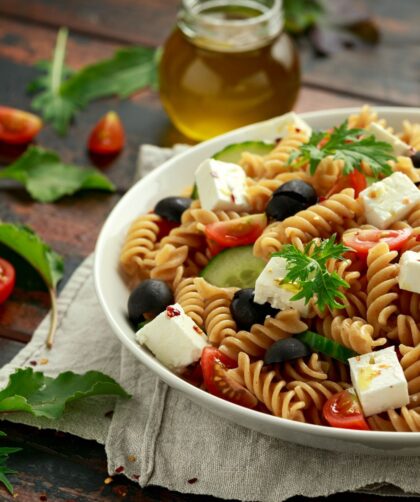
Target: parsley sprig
[308, 270]
[350, 145]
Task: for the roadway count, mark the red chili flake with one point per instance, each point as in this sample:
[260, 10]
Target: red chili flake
[232, 198]
[109, 414]
[192, 481]
[119, 469]
[120, 490]
[322, 198]
[136, 476]
[197, 329]
[297, 129]
[172, 311]
[33, 363]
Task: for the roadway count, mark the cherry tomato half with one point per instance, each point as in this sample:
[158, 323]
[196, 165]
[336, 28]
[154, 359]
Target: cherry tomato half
[237, 232]
[355, 180]
[215, 365]
[7, 280]
[107, 137]
[18, 127]
[362, 240]
[343, 410]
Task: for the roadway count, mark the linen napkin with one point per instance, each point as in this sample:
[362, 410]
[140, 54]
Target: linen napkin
[159, 437]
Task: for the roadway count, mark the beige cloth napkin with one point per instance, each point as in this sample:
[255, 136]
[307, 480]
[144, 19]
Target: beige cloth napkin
[159, 437]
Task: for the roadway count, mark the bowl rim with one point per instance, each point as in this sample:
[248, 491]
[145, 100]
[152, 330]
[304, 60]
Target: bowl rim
[194, 393]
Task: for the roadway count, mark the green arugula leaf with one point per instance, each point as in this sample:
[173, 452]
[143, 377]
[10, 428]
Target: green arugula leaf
[49, 264]
[63, 93]
[299, 15]
[43, 396]
[47, 178]
[350, 145]
[27, 244]
[4, 470]
[55, 108]
[308, 270]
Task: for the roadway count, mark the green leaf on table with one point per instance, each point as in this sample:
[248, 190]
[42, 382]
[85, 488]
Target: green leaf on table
[43, 396]
[48, 179]
[63, 93]
[33, 249]
[299, 15]
[4, 470]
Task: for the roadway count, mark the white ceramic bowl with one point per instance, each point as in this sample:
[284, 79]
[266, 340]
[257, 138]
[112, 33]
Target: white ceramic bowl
[170, 179]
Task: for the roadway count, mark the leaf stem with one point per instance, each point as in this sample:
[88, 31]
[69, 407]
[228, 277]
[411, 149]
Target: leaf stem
[54, 318]
[58, 60]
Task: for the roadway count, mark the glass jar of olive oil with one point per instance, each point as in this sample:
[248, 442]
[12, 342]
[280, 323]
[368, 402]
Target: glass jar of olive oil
[227, 64]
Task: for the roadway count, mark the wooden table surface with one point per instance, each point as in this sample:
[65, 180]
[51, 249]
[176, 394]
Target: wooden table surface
[60, 467]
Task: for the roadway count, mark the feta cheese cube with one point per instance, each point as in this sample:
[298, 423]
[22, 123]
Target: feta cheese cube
[409, 276]
[291, 121]
[389, 200]
[174, 338]
[221, 185]
[381, 134]
[379, 381]
[269, 288]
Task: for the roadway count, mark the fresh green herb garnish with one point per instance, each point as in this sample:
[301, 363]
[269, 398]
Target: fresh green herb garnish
[348, 145]
[308, 270]
[47, 179]
[49, 264]
[63, 93]
[43, 396]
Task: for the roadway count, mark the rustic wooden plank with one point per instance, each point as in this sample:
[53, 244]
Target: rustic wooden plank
[146, 22]
[8, 350]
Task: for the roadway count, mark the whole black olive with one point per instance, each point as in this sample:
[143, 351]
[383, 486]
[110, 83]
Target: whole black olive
[171, 208]
[415, 159]
[299, 190]
[246, 312]
[281, 206]
[285, 350]
[150, 296]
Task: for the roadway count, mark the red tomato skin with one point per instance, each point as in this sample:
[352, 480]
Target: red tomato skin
[7, 280]
[237, 232]
[215, 363]
[355, 180]
[107, 137]
[343, 411]
[18, 127]
[363, 240]
[165, 227]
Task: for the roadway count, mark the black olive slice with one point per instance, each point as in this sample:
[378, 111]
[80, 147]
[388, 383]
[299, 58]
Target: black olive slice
[282, 206]
[299, 190]
[171, 208]
[286, 350]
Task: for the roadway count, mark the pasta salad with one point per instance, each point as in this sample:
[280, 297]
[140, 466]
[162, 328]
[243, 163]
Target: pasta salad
[287, 279]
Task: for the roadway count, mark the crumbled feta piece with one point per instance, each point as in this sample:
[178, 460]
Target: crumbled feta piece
[221, 185]
[381, 134]
[389, 200]
[269, 288]
[379, 381]
[291, 121]
[409, 276]
[174, 338]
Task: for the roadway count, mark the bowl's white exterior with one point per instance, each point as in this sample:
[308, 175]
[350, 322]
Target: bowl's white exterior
[170, 179]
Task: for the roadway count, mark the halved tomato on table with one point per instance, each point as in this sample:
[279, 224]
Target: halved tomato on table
[361, 240]
[107, 137]
[343, 411]
[236, 232]
[215, 365]
[7, 280]
[18, 127]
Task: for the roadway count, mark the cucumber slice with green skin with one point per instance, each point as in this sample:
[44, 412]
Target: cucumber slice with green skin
[326, 346]
[234, 267]
[232, 153]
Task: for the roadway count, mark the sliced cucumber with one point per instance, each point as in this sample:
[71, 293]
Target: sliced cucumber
[194, 193]
[326, 346]
[234, 267]
[232, 153]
